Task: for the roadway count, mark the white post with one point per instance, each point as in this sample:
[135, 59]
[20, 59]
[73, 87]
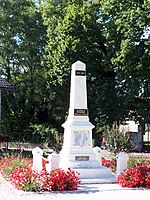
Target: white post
[122, 162]
[97, 151]
[53, 162]
[37, 159]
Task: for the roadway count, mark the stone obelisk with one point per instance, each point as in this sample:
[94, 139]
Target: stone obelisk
[77, 151]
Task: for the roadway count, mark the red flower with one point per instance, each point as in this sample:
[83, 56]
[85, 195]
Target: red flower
[24, 178]
[111, 163]
[44, 162]
[64, 180]
[138, 176]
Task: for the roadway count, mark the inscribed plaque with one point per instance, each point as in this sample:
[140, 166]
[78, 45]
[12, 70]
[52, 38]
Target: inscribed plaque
[82, 138]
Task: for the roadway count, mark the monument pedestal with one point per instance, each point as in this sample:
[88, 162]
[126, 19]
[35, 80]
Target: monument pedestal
[77, 152]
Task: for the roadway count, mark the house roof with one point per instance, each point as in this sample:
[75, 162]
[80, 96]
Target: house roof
[4, 84]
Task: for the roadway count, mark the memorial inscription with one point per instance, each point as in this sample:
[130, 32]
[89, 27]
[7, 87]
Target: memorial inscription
[81, 138]
[80, 73]
[81, 158]
[80, 112]
[83, 165]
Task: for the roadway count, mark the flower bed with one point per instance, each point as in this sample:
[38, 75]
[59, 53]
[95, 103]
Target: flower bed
[111, 163]
[135, 177]
[9, 163]
[19, 172]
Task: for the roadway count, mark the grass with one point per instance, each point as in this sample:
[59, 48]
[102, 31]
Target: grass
[134, 160]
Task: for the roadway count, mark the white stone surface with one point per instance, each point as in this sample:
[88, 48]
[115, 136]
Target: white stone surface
[97, 151]
[122, 162]
[37, 159]
[78, 92]
[77, 151]
[53, 160]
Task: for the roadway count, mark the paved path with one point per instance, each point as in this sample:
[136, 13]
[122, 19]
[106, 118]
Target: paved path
[85, 192]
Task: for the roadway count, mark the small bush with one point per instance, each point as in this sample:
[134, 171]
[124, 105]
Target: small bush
[111, 163]
[19, 172]
[61, 180]
[24, 178]
[135, 177]
[114, 140]
[9, 163]
[46, 133]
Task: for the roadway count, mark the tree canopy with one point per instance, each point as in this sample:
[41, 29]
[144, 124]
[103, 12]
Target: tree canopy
[127, 24]
[40, 40]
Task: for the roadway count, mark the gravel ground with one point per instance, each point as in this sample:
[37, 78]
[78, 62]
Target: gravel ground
[85, 192]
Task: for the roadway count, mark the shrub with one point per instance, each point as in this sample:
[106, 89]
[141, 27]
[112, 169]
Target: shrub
[61, 180]
[111, 163]
[19, 172]
[46, 133]
[24, 178]
[115, 140]
[9, 163]
[135, 177]
[44, 162]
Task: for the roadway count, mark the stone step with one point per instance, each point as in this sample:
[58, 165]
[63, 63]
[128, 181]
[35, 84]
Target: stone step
[111, 179]
[96, 173]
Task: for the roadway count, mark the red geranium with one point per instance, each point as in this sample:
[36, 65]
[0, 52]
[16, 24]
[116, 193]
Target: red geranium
[111, 163]
[135, 177]
[64, 180]
[24, 178]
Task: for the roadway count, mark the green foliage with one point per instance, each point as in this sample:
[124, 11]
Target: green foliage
[133, 161]
[74, 33]
[9, 163]
[115, 140]
[45, 133]
[22, 42]
[127, 35]
[110, 36]
[114, 74]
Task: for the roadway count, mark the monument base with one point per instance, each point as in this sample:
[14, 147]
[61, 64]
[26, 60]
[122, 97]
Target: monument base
[97, 175]
[99, 180]
[89, 171]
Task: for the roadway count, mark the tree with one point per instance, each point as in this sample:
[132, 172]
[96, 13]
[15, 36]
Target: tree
[22, 40]
[74, 33]
[127, 33]
[108, 36]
